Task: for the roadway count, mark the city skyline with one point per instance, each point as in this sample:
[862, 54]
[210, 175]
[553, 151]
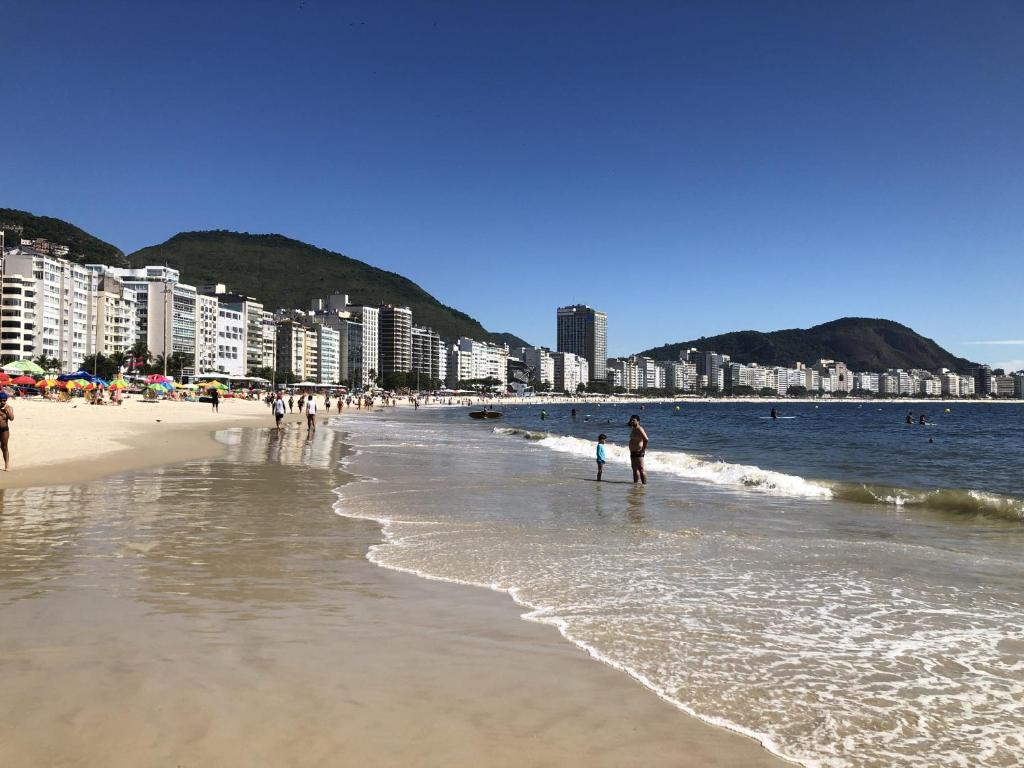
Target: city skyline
[848, 161]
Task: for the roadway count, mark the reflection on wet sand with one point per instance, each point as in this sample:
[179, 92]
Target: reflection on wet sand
[218, 613]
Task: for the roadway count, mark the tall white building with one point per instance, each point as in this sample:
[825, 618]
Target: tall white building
[428, 353]
[540, 360]
[57, 320]
[166, 309]
[258, 336]
[328, 342]
[470, 360]
[230, 357]
[207, 315]
[681, 376]
[570, 371]
[116, 313]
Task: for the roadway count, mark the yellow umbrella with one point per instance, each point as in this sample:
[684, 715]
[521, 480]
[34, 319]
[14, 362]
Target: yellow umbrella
[119, 384]
[46, 383]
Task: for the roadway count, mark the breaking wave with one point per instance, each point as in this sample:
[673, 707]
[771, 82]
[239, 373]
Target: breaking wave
[689, 467]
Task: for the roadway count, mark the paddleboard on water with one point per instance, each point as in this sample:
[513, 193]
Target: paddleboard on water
[777, 417]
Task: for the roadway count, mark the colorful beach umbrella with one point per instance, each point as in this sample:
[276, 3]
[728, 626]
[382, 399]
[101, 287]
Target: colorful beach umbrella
[119, 384]
[47, 383]
[213, 385]
[4, 378]
[24, 381]
[24, 366]
[157, 378]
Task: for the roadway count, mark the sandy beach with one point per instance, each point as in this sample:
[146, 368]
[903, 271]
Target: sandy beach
[217, 612]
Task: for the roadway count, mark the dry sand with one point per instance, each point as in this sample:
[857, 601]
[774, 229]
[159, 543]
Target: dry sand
[128, 640]
[55, 442]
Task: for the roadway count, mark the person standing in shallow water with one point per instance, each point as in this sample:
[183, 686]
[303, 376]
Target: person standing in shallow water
[638, 442]
[601, 456]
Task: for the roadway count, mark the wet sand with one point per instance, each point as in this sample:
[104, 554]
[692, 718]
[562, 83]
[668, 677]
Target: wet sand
[217, 612]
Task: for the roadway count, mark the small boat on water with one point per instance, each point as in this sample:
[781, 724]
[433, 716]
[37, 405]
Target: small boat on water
[485, 414]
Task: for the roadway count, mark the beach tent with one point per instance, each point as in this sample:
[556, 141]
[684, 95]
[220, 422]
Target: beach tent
[23, 366]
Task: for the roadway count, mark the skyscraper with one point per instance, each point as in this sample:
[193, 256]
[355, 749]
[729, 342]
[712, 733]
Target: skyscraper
[584, 332]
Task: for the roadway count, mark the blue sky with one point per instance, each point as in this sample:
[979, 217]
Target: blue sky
[691, 168]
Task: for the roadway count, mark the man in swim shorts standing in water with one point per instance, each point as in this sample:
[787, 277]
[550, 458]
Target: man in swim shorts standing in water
[637, 448]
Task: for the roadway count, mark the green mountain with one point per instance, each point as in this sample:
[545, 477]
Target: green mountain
[85, 248]
[863, 343]
[282, 272]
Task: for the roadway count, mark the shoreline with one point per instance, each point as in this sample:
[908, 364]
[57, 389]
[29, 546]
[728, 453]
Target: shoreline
[490, 684]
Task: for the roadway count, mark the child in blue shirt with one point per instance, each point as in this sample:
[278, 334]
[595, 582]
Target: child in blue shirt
[600, 454]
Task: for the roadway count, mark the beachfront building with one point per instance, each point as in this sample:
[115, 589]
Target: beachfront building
[230, 357]
[680, 376]
[470, 360]
[207, 311]
[116, 312]
[540, 361]
[1002, 386]
[395, 339]
[255, 328]
[166, 310]
[710, 366]
[868, 382]
[18, 317]
[268, 334]
[47, 304]
[651, 373]
[624, 372]
[328, 345]
[571, 371]
[428, 354]
[583, 331]
[297, 350]
[786, 378]
[982, 375]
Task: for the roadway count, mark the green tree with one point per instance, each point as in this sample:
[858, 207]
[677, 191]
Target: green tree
[796, 391]
[768, 392]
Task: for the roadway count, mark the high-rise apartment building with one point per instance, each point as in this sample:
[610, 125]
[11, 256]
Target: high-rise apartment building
[116, 314]
[48, 307]
[256, 347]
[166, 310]
[328, 342]
[230, 357]
[395, 339]
[428, 353]
[583, 331]
[470, 360]
[540, 362]
[570, 371]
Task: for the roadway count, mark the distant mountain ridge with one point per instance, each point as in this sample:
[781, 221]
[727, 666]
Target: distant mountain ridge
[863, 343]
[85, 248]
[283, 272]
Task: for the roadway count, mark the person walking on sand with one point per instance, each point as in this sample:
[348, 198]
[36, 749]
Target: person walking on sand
[291, 403]
[215, 399]
[310, 414]
[601, 457]
[638, 441]
[279, 410]
[6, 417]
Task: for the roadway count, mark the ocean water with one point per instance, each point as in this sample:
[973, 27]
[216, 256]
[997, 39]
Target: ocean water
[845, 588]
